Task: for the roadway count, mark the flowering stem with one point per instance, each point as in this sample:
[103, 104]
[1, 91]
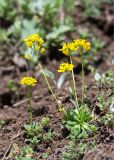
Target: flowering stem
[83, 81]
[49, 85]
[74, 85]
[30, 104]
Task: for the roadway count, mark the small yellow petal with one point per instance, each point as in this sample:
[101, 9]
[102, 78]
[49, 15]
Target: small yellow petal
[37, 47]
[65, 67]
[27, 56]
[29, 81]
[42, 50]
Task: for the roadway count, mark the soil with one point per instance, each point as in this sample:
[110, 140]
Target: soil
[13, 108]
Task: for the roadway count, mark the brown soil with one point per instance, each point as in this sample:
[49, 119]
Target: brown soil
[13, 109]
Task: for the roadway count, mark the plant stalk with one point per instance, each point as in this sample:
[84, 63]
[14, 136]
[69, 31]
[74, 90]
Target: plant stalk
[83, 79]
[30, 105]
[74, 85]
[54, 96]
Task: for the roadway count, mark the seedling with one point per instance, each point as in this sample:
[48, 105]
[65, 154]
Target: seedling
[102, 102]
[48, 136]
[78, 122]
[32, 130]
[107, 119]
[25, 154]
[75, 150]
[106, 78]
[44, 156]
[35, 132]
[45, 121]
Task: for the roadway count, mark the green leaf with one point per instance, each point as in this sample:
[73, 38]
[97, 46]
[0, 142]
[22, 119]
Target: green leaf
[15, 28]
[29, 27]
[61, 80]
[49, 74]
[44, 155]
[58, 31]
[3, 35]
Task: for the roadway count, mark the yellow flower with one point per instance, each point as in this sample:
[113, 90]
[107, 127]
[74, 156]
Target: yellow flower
[29, 81]
[69, 49]
[65, 49]
[41, 41]
[28, 43]
[27, 56]
[77, 46]
[37, 47]
[42, 50]
[65, 67]
[82, 44]
[33, 39]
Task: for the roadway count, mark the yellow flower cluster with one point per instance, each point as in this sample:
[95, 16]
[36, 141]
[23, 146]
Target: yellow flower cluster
[34, 38]
[29, 81]
[65, 67]
[67, 48]
[80, 46]
[36, 41]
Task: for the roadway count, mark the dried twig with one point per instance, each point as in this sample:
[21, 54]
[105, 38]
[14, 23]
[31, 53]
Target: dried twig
[11, 143]
[7, 150]
[20, 103]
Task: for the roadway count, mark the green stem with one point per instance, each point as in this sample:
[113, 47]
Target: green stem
[83, 81]
[30, 104]
[74, 85]
[49, 85]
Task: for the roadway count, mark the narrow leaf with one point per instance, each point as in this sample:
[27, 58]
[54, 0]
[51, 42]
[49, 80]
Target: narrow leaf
[61, 80]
